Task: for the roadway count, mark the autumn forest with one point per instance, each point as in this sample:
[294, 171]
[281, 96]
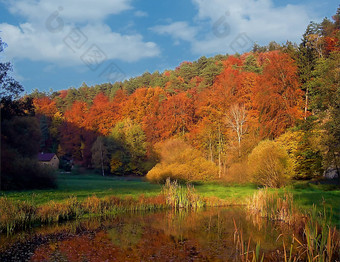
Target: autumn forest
[226, 117]
[233, 157]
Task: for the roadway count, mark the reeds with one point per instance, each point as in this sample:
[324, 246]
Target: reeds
[21, 214]
[178, 197]
[273, 207]
[243, 249]
[15, 214]
[321, 241]
[318, 241]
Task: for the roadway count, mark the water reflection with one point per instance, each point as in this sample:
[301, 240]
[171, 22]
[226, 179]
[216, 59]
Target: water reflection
[206, 235]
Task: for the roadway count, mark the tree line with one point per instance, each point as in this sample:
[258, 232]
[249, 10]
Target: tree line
[232, 117]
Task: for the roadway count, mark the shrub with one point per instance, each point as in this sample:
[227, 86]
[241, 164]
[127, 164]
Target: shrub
[19, 148]
[27, 173]
[237, 173]
[269, 165]
[180, 161]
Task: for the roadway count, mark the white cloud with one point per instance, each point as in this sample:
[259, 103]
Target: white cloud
[178, 30]
[141, 14]
[253, 20]
[61, 35]
[231, 26]
[67, 46]
[70, 10]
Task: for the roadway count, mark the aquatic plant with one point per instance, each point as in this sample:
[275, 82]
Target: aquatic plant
[317, 241]
[21, 214]
[55, 212]
[177, 196]
[322, 241]
[273, 206]
[15, 214]
[243, 249]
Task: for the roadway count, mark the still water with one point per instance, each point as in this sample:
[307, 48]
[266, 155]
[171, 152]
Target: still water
[205, 235]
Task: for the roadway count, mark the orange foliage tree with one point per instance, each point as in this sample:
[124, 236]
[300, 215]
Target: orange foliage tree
[45, 106]
[278, 97]
[101, 117]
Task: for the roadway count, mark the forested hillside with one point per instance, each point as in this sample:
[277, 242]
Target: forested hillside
[232, 117]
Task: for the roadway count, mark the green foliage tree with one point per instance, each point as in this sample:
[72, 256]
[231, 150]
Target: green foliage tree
[100, 154]
[20, 137]
[306, 61]
[304, 150]
[251, 65]
[326, 103]
[210, 72]
[128, 138]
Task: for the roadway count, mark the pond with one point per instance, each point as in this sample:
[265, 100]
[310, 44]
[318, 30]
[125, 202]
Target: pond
[206, 235]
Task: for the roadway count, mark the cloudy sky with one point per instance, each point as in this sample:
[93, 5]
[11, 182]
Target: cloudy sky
[60, 44]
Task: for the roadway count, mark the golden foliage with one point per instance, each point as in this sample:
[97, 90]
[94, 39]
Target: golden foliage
[182, 162]
[115, 164]
[237, 173]
[269, 164]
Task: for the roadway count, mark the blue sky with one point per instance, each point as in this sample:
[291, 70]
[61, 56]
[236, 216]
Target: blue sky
[61, 44]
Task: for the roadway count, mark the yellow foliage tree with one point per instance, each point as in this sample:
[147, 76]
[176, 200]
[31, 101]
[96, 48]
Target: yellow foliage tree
[290, 142]
[181, 161]
[269, 164]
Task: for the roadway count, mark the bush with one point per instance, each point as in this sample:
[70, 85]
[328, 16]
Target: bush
[26, 173]
[269, 165]
[19, 148]
[180, 161]
[237, 173]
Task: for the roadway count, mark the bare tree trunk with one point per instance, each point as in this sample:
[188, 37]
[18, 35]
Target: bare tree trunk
[219, 151]
[336, 166]
[210, 149]
[306, 103]
[224, 163]
[236, 119]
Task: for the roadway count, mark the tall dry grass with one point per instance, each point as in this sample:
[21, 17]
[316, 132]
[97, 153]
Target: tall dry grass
[273, 206]
[16, 215]
[317, 241]
[177, 196]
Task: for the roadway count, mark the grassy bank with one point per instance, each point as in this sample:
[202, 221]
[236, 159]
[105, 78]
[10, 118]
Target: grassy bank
[16, 214]
[301, 205]
[83, 186]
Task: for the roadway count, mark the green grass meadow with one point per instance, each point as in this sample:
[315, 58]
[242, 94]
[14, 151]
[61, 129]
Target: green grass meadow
[83, 185]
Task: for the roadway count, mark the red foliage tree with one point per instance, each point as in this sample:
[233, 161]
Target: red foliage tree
[278, 97]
